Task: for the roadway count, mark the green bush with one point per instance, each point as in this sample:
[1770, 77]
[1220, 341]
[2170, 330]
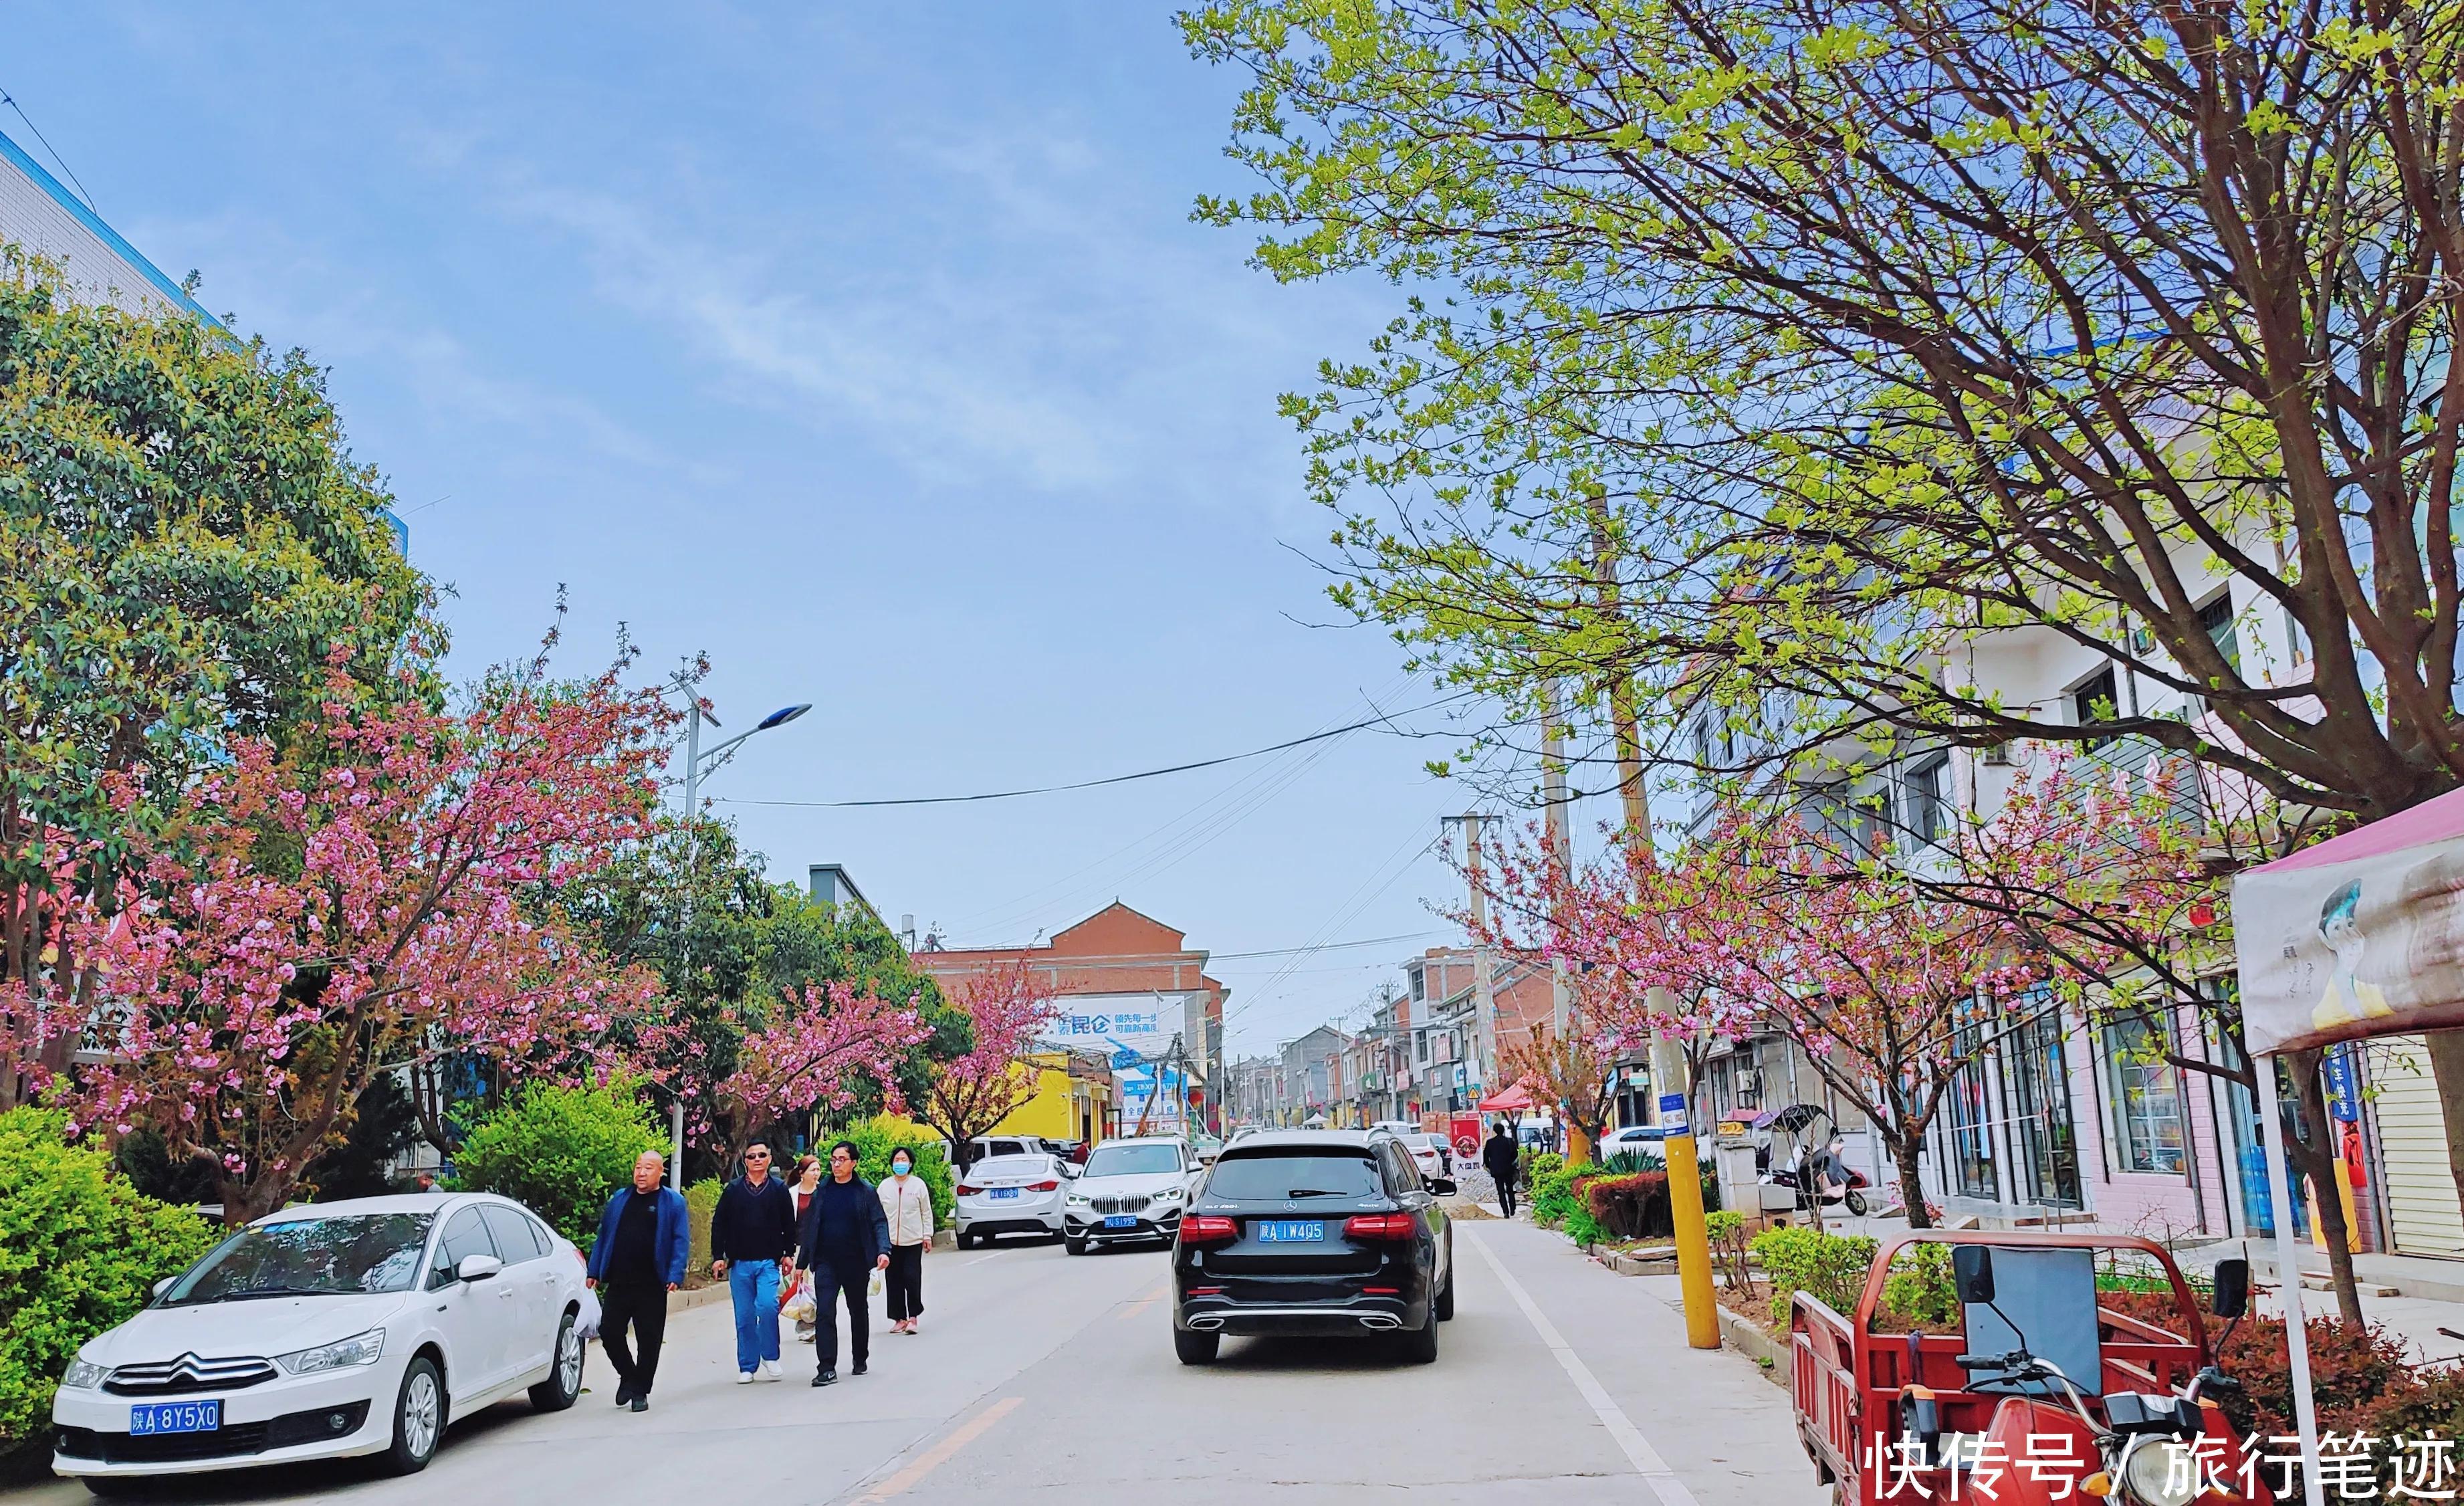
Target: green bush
[560, 1152]
[1583, 1228]
[1918, 1295]
[1831, 1267]
[80, 1249]
[701, 1200]
[874, 1140]
[1631, 1207]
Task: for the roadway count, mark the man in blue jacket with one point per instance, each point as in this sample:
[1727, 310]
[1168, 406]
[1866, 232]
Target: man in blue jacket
[842, 1239]
[638, 1258]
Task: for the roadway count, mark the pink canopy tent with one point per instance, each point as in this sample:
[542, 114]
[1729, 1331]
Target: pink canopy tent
[1515, 1099]
[2362, 935]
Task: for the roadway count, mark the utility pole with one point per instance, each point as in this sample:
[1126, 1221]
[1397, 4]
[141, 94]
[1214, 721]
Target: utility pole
[1668, 1069]
[1484, 995]
[1561, 857]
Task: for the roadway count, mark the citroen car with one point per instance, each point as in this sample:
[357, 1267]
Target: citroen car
[1313, 1232]
[358, 1327]
[1130, 1192]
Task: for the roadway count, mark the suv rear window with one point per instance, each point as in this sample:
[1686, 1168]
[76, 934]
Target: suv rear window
[1296, 1173]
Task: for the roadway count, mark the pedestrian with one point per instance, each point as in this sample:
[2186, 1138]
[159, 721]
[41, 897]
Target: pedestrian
[844, 1239]
[638, 1258]
[907, 1206]
[753, 1245]
[806, 1180]
[426, 1181]
[1504, 1159]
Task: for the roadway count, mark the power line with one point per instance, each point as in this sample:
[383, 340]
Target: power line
[8, 100]
[1383, 719]
[1321, 947]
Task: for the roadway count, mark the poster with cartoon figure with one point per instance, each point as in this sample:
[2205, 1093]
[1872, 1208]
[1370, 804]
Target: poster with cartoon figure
[2360, 936]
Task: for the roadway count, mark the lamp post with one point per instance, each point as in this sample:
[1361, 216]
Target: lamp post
[694, 757]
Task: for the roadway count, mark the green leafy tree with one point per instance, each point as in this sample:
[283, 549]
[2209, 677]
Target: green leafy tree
[874, 1140]
[559, 1151]
[383, 1125]
[80, 1249]
[183, 544]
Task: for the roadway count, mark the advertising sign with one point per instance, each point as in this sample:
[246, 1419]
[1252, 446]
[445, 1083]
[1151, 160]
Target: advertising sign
[1672, 1114]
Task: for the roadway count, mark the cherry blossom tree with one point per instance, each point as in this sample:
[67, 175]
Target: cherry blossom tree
[358, 900]
[831, 1041]
[1009, 1007]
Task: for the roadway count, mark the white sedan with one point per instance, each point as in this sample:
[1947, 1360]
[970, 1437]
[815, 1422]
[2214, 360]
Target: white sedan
[1009, 1195]
[1430, 1153]
[329, 1329]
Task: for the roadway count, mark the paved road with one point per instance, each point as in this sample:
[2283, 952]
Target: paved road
[1043, 1378]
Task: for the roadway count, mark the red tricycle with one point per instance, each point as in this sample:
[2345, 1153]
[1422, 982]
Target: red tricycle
[2044, 1394]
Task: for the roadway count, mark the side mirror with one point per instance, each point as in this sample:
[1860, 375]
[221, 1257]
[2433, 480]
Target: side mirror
[477, 1268]
[1443, 1186]
[1971, 1271]
[2231, 1298]
[1072, 1170]
[164, 1285]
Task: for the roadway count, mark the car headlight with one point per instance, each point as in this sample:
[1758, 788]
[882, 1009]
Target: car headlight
[81, 1376]
[342, 1354]
[2161, 1472]
[1168, 1195]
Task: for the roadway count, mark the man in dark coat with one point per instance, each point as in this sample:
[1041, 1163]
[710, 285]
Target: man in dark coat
[638, 1258]
[753, 1245]
[1505, 1160]
[843, 1238]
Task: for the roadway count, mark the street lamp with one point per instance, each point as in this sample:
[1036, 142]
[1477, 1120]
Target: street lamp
[694, 757]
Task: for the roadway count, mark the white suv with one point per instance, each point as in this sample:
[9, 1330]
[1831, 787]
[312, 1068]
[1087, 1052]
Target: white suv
[1131, 1189]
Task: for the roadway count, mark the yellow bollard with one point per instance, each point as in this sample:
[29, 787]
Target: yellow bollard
[1693, 1236]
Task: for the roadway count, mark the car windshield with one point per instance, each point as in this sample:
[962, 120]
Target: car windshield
[347, 1255]
[1297, 1173]
[1134, 1160]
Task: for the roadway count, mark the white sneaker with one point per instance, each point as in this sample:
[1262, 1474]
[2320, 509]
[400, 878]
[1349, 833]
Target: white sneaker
[744, 1378]
[770, 1370]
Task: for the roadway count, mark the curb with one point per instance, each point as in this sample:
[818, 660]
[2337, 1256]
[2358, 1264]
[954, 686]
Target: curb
[1746, 1336]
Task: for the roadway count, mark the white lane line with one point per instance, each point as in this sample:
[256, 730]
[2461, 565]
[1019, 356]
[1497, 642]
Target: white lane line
[981, 1259]
[1639, 1452]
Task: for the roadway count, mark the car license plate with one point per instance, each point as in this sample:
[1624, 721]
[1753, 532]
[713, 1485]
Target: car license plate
[1289, 1231]
[156, 1417]
[1005, 1194]
[1120, 1221]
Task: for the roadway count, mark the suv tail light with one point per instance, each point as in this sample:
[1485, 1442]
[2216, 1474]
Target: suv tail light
[1053, 1186]
[1380, 1226]
[1208, 1229]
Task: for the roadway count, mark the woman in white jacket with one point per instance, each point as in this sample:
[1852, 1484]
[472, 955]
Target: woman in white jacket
[908, 1203]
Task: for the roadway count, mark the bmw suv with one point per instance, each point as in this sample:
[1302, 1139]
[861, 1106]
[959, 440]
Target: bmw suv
[1313, 1232]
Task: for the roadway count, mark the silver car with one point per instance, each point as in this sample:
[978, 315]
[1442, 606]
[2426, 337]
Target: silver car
[1017, 1194]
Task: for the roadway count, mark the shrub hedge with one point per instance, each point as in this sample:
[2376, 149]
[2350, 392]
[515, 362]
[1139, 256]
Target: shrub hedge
[560, 1152]
[80, 1249]
[1831, 1267]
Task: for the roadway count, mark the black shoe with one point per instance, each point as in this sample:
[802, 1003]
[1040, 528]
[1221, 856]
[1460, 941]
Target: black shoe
[826, 1378]
[641, 1403]
[859, 1367]
[624, 1396]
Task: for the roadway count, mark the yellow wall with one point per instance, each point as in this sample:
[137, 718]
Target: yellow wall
[1052, 1113]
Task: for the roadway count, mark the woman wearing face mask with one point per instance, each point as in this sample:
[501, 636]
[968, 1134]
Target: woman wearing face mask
[908, 1205]
[805, 1181]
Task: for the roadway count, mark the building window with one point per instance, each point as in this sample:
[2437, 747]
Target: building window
[1420, 985]
[2218, 618]
[2097, 700]
[2148, 1129]
[1929, 800]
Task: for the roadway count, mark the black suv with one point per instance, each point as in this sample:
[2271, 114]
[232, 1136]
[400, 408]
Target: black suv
[1313, 1231]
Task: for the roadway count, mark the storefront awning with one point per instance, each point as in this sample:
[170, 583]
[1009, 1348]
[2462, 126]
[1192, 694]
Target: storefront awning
[1514, 1100]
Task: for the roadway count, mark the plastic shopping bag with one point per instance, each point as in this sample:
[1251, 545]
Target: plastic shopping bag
[799, 1306]
[586, 1323]
[874, 1288]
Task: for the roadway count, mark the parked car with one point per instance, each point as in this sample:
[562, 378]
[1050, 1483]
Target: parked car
[1313, 1231]
[358, 1327]
[1131, 1190]
[1010, 1195]
[1435, 1158]
[1205, 1148]
[1632, 1137]
[985, 1145]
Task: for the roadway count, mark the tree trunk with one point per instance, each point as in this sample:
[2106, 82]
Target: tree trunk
[2317, 1151]
[2447, 1066]
[1905, 1152]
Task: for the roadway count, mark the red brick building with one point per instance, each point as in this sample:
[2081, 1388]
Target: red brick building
[1128, 983]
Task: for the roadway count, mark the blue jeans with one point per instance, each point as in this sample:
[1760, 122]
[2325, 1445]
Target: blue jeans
[753, 1287]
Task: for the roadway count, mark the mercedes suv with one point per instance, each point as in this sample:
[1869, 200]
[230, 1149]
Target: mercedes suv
[1313, 1231]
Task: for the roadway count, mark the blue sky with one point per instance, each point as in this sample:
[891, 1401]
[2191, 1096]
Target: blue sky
[869, 350]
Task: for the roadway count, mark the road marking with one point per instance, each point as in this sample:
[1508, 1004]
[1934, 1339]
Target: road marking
[933, 1458]
[981, 1259]
[1639, 1452]
[1141, 1304]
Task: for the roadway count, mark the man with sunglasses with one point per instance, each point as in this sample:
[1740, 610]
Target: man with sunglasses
[753, 1245]
[844, 1238]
